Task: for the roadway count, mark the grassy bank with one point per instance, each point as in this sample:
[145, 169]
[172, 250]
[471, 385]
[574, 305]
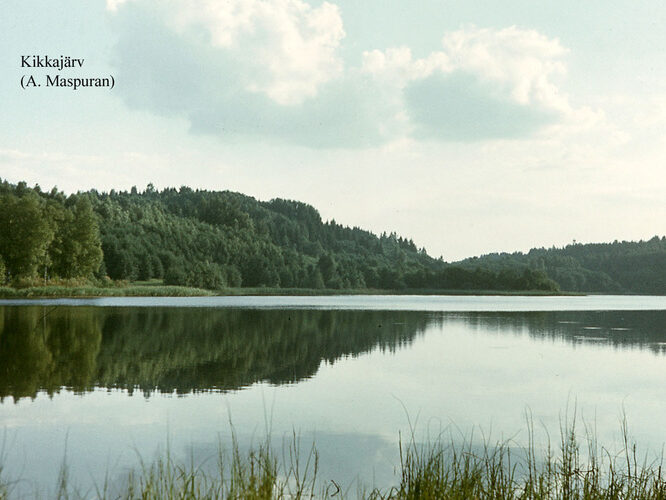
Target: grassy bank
[157, 289]
[94, 291]
[575, 468]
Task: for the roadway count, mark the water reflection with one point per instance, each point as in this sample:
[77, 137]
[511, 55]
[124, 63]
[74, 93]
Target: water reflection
[183, 350]
[45, 349]
[186, 349]
[461, 369]
[618, 329]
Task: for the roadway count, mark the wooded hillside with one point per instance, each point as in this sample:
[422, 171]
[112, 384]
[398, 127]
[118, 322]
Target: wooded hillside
[217, 239]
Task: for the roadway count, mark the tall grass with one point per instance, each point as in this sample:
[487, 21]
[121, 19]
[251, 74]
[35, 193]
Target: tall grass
[577, 468]
[256, 474]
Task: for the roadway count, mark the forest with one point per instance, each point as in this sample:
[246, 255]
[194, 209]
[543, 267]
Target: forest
[221, 239]
[636, 267]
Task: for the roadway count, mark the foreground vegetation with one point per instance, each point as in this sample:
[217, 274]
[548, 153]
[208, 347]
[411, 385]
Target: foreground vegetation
[438, 471]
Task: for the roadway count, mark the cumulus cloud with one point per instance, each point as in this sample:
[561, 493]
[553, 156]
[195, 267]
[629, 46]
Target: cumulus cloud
[287, 48]
[483, 84]
[218, 73]
[396, 66]
[463, 107]
[284, 49]
[524, 60]
[273, 68]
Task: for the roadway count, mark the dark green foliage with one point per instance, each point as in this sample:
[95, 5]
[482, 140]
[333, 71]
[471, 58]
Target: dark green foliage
[76, 250]
[217, 239]
[618, 267]
[175, 275]
[47, 235]
[213, 239]
[25, 234]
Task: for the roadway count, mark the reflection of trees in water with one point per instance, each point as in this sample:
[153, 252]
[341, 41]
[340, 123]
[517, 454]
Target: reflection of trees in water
[41, 348]
[184, 349]
[187, 349]
[619, 329]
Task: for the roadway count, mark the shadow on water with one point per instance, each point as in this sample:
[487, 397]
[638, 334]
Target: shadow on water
[185, 349]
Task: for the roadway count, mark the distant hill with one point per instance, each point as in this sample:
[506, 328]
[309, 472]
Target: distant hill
[618, 267]
[217, 239]
[214, 239]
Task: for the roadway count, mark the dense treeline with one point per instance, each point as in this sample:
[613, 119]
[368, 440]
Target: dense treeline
[618, 267]
[213, 240]
[216, 239]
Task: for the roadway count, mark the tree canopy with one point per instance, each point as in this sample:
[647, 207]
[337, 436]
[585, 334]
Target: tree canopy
[217, 239]
[47, 234]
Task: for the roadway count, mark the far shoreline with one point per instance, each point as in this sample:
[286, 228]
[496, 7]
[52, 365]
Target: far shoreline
[152, 289]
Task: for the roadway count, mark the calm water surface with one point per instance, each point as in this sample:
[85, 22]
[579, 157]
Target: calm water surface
[101, 382]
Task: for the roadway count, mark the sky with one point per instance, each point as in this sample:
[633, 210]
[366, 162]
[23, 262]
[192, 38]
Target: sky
[469, 127]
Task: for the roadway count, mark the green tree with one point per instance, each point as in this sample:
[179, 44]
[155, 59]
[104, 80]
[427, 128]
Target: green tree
[76, 250]
[25, 234]
[327, 268]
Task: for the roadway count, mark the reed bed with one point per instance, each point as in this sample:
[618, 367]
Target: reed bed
[57, 291]
[575, 468]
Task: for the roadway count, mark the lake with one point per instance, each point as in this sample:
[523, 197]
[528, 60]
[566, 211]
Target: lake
[100, 384]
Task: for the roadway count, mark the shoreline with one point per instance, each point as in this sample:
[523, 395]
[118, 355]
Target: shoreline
[157, 290]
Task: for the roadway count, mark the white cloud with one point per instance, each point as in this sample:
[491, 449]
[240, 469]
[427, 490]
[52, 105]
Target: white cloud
[519, 62]
[524, 59]
[483, 84]
[396, 66]
[285, 49]
[273, 68]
